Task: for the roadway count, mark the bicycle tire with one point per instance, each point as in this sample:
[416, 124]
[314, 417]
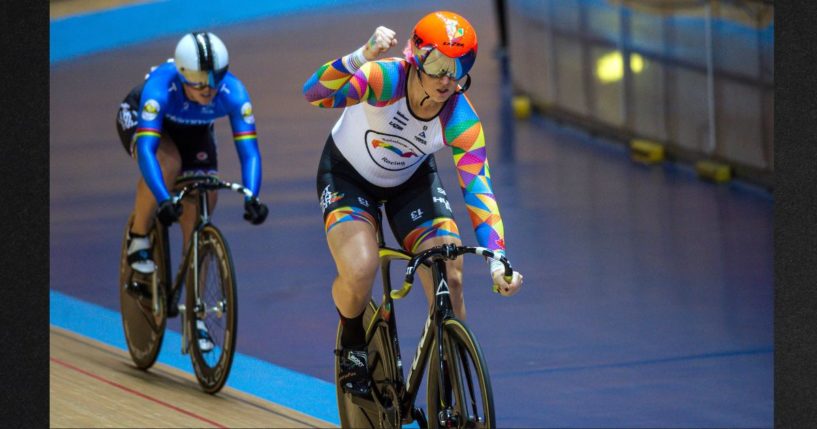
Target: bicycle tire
[381, 362]
[467, 370]
[220, 310]
[144, 330]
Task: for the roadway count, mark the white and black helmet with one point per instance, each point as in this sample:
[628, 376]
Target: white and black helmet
[201, 59]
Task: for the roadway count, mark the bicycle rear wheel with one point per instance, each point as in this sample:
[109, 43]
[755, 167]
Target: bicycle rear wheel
[353, 415]
[144, 325]
[466, 385]
[217, 308]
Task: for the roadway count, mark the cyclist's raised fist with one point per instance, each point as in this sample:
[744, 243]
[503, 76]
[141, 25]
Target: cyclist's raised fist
[168, 212]
[504, 287]
[381, 41]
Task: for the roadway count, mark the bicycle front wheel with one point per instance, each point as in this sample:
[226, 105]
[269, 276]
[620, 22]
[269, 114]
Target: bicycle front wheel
[143, 319]
[212, 300]
[461, 382]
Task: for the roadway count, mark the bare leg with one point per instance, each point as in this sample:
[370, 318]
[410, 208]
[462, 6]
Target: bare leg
[354, 248]
[144, 209]
[454, 270]
[189, 216]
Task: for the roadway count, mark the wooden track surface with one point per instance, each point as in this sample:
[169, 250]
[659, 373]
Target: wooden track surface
[95, 385]
[60, 8]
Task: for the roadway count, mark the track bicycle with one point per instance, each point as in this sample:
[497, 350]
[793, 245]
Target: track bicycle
[148, 300]
[458, 385]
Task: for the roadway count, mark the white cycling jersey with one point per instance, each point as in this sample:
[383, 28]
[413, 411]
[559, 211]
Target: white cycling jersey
[386, 144]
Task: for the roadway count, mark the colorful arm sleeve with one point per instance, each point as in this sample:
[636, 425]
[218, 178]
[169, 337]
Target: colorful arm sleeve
[339, 83]
[463, 132]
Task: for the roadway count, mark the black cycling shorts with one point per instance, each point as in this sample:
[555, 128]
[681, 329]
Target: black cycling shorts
[196, 143]
[416, 209]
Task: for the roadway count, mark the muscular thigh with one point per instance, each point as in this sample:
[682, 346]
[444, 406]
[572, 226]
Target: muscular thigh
[343, 195]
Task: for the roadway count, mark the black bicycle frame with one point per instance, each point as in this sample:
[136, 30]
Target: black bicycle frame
[441, 310]
[192, 249]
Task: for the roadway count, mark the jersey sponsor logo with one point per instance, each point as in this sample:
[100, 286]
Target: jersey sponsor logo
[188, 121]
[442, 201]
[381, 143]
[127, 118]
[246, 113]
[201, 156]
[390, 152]
[150, 110]
[416, 214]
[328, 197]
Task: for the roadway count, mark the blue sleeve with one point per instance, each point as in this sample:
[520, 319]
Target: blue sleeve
[148, 136]
[242, 122]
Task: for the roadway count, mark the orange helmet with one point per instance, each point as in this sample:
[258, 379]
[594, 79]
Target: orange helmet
[443, 43]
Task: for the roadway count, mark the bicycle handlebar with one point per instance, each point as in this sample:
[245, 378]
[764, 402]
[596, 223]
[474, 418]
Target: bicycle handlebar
[211, 183]
[448, 251]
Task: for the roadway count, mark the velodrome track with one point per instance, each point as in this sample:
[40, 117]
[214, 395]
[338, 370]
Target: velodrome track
[648, 297]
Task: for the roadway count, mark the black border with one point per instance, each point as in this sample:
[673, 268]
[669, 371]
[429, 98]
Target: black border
[795, 213]
[24, 280]
[25, 201]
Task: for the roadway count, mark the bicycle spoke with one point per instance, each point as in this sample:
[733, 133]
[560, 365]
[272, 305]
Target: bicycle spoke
[466, 373]
[216, 309]
[469, 381]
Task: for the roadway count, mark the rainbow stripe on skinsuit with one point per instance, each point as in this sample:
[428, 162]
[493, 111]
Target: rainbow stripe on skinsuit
[346, 214]
[148, 132]
[438, 227]
[379, 83]
[246, 135]
[462, 130]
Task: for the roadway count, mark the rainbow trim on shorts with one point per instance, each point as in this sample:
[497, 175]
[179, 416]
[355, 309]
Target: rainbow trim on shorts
[246, 135]
[437, 227]
[346, 214]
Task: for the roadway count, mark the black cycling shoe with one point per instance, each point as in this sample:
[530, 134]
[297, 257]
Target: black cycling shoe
[354, 371]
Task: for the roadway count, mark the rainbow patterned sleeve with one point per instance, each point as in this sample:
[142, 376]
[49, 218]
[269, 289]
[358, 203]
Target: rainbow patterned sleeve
[338, 84]
[462, 131]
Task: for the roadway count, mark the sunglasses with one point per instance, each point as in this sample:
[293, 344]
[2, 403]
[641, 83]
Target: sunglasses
[197, 85]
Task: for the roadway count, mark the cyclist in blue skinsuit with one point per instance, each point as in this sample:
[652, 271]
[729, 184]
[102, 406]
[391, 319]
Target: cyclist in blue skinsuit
[166, 124]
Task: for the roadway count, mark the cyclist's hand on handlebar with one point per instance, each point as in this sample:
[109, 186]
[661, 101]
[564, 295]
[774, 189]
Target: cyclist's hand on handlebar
[504, 287]
[255, 212]
[381, 41]
[168, 212]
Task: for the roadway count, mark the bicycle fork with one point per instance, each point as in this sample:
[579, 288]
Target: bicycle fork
[443, 311]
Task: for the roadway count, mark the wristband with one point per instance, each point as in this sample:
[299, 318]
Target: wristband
[354, 61]
[495, 264]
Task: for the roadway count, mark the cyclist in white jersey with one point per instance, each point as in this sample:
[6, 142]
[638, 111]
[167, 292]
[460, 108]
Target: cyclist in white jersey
[397, 113]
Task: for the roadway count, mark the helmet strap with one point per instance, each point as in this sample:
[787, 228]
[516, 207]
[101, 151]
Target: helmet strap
[420, 79]
[467, 84]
